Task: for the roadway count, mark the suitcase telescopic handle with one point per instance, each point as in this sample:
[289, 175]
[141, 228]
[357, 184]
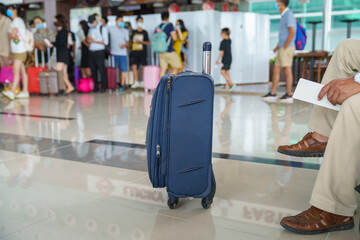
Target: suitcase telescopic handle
[206, 58]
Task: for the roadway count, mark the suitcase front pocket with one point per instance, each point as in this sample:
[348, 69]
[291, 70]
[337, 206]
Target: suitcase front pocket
[186, 170]
[191, 102]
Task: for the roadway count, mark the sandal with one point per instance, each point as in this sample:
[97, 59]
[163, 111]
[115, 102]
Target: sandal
[307, 147]
[316, 221]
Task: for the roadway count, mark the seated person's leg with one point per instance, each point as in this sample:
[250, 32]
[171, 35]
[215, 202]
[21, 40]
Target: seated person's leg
[334, 196]
[343, 62]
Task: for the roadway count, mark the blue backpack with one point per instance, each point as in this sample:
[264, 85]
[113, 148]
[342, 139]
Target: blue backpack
[160, 42]
[301, 37]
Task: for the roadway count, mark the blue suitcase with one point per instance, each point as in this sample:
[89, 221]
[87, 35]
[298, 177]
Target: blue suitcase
[179, 135]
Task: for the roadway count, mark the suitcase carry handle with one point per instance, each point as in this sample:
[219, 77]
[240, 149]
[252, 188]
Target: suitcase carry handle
[37, 58]
[206, 60]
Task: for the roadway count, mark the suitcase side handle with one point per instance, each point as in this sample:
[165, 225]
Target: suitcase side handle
[206, 60]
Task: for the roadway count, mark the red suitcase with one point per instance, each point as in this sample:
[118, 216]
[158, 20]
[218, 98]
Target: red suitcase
[33, 75]
[33, 79]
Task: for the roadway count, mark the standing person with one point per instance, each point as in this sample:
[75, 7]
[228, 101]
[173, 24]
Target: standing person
[42, 33]
[182, 35]
[226, 58]
[5, 23]
[98, 40]
[119, 41]
[84, 65]
[170, 57]
[138, 55]
[17, 33]
[285, 52]
[63, 58]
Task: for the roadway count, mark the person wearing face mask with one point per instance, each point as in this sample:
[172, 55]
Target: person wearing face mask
[17, 33]
[42, 33]
[138, 55]
[119, 42]
[97, 39]
[5, 23]
[181, 40]
[62, 54]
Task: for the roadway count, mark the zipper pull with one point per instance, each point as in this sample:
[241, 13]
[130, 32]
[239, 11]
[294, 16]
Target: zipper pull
[158, 151]
[169, 83]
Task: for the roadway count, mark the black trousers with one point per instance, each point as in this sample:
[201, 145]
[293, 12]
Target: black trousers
[97, 64]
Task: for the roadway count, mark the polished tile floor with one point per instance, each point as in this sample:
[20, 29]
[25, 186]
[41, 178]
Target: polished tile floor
[75, 168]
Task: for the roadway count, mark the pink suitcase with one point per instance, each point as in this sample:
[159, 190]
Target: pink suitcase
[6, 75]
[151, 77]
[86, 85]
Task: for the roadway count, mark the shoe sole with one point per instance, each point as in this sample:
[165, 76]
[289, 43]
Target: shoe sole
[7, 97]
[332, 229]
[272, 99]
[302, 154]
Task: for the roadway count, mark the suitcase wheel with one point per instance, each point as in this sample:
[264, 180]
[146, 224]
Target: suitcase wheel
[172, 202]
[206, 202]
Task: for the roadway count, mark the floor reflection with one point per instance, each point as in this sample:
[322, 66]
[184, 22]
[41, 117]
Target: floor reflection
[75, 168]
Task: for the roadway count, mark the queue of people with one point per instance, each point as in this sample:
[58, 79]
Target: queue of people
[99, 41]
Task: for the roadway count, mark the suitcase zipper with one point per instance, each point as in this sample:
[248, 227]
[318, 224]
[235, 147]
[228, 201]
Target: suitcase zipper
[169, 83]
[157, 166]
[158, 153]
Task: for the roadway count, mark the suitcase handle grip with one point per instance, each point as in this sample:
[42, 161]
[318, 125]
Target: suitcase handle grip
[206, 60]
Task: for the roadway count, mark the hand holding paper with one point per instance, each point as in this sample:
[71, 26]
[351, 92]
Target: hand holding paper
[308, 91]
[339, 90]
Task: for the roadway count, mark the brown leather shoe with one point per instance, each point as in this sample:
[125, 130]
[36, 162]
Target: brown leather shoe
[316, 221]
[307, 147]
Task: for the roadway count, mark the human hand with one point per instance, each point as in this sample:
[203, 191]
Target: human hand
[276, 49]
[122, 46]
[339, 90]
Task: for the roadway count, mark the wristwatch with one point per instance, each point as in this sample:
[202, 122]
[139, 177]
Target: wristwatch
[357, 78]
